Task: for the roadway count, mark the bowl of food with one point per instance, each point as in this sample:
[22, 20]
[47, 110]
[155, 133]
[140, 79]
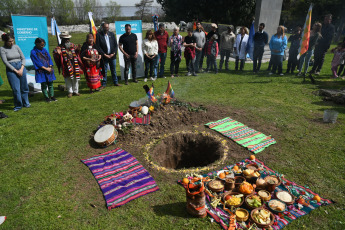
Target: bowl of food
[251, 175]
[233, 199]
[216, 185]
[239, 180]
[237, 170]
[262, 217]
[286, 197]
[264, 195]
[276, 206]
[241, 215]
[224, 174]
[253, 201]
[252, 166]
[246, 188]
[272, 182]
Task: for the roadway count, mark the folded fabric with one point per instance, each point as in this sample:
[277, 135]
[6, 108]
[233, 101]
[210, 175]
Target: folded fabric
[120, 176]
[253, 140]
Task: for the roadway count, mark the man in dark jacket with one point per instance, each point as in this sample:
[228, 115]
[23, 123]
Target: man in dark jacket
[260, 40]
[107, 44]
[323, 45]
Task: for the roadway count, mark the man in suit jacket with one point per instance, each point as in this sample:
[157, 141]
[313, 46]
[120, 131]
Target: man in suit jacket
[107, 45]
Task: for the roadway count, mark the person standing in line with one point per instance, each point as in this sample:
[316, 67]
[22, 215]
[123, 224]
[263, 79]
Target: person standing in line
[295, 40]
[323, 45]
[175, 43]
[200, 43]
[107, 46]
[315, 36]
[44, 72]
[342, 64]
[338, 58]
[162, 38]
[241, 47]
[14, 60]
[212, 53]
[91, 60]
[203, 51]
[67, 59]
[128, 45]
[277, 45]
[260, 41]
[227, 41]
[189, 52]
[150, 50]
[214, 30]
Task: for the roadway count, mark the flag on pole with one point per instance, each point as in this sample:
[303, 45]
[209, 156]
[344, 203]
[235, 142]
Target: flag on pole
[55, 30]
[170, 90]
[93, 29]
[155, 21]
[304, 44]
[250, 46]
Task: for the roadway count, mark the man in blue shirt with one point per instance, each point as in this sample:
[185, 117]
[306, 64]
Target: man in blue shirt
[260, 40]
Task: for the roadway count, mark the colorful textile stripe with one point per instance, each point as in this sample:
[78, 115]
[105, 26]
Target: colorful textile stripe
[170, 90]
[93, 28]
[304, 45]
[292, 212]
[249, 138]
[120, 176]
[145, 120]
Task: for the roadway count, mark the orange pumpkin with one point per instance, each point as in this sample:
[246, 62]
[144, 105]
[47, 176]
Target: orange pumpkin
[246, 188]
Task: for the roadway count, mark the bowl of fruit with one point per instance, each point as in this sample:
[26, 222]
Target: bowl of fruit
[233, 199]
[262, 217]
[224, 174]
[253, 201]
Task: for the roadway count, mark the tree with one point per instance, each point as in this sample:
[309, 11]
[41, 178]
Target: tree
[240, 12]
[143, 6]
[113, 10]
[64, 11]
[8, 7]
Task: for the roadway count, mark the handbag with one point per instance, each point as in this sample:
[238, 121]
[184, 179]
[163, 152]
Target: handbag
[1, 81]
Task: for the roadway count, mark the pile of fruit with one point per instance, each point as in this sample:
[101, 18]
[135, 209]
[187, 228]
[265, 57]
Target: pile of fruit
[254, 201]
[233, 200]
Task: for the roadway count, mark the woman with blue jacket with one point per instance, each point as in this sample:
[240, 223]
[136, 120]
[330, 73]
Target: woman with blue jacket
[277, 45]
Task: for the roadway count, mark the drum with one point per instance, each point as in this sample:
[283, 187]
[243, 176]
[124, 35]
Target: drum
[105, 136]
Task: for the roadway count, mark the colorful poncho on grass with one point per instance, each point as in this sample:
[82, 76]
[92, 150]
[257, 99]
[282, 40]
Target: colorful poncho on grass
[292, 212]
[254, 140]
[121, 177]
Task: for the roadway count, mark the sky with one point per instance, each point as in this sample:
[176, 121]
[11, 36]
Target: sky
[125, 2]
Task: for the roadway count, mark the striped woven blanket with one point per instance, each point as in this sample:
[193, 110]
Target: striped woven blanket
[249, 138]
[120, 176]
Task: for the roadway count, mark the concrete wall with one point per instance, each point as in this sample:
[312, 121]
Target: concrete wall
[268, 12]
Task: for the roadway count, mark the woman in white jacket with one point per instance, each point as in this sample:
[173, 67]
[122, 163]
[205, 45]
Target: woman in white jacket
[241, 47]
[150, 49]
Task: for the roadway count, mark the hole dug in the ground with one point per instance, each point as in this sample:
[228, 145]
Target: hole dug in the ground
[187, 150]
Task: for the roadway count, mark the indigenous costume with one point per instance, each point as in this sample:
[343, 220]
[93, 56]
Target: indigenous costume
[93, 72]
[68, 61]
[41, 58]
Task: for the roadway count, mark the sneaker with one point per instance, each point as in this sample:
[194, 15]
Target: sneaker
[152, 79]
[53, 99]
[27, 106]
[194, 74]
[317, 73]
[48, 100]
[16, 109]
[76, 94]
[188, 74]
[163, 77]
[116, 84]
[281, 74]
[2, 115]
[145, 80]
[172, 75]
[69, 95]
[270, 73]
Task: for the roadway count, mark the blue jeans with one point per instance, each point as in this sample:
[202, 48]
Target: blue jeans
[19, 86]
[198, 55]
[162, 57]
[277, 62]
[212, 63]
[112, 64]
[304, 59]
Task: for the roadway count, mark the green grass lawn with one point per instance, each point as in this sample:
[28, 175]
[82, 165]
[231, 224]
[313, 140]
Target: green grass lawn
[43, 184]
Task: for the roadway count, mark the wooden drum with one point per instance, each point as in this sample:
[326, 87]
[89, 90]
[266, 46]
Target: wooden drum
[105, 136]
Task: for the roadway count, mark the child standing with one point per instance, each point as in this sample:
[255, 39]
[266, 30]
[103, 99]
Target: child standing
[339, 55]
[212, 53]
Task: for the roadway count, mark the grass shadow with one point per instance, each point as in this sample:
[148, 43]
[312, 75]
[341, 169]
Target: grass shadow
[177, 209]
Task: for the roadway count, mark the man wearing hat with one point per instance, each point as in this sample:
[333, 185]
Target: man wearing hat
[210, 35]
[200, 39]
[67, 59]
[162, 38]
[227, 41]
